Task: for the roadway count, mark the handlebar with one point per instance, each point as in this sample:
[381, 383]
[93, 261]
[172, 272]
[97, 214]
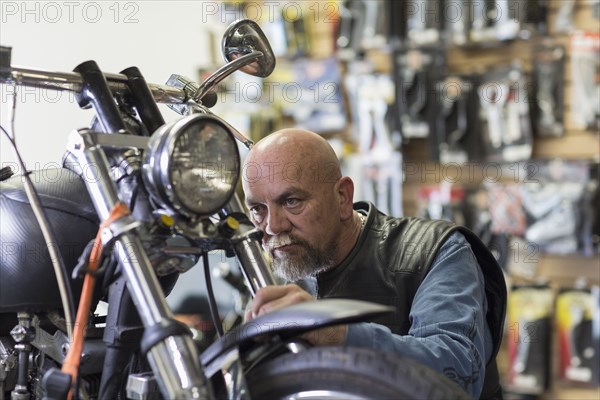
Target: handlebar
[72, 82]
[117, 83]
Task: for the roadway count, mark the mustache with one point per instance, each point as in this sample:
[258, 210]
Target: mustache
[284, 239]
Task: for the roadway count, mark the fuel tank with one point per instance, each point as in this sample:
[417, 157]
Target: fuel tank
[27, 280]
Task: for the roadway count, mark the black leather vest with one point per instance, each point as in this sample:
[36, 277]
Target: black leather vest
[391, 259]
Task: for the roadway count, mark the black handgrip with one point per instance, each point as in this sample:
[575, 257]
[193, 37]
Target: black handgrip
[5, 55]
[210, 99]
[6, 173]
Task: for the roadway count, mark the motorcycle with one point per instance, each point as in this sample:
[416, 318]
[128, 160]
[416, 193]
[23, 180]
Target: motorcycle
[137, 203]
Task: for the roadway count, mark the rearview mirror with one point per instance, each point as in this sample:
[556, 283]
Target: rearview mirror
[245, 37]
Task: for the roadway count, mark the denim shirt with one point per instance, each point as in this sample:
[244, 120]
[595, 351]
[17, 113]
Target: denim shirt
[448, 329]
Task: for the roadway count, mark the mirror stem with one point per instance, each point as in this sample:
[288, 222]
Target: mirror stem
[224, 72]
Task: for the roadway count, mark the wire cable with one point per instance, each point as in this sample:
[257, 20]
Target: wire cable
[212, 304]
[60, 270]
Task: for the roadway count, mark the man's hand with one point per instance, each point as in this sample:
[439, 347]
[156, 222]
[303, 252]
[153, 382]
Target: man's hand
[272, 298]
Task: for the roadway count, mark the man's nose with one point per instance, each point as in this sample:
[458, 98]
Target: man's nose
[277, 222]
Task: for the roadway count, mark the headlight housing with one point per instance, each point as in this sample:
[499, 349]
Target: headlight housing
[192, 165]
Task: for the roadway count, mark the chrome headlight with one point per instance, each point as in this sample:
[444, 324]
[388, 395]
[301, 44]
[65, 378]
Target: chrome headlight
[192, 165]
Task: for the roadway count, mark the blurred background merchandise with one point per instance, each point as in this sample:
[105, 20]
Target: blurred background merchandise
[482, 112]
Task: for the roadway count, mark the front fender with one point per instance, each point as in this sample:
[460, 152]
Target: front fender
[292, 321]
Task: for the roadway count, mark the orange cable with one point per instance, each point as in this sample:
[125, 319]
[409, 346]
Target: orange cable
[73, 358]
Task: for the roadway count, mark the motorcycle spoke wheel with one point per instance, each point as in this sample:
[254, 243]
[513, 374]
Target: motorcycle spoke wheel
[349, 374]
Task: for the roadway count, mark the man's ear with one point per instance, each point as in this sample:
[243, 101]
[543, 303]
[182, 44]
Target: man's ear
[346, 196]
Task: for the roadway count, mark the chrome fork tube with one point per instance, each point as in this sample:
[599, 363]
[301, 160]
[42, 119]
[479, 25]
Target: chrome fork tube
[254, 263]
[173, 359]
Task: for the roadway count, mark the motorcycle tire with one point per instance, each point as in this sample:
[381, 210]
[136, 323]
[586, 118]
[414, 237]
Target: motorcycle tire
[350, 374]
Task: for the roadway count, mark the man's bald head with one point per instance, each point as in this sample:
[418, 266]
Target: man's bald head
[294, 153]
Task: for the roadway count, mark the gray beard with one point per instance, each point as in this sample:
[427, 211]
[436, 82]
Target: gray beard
[311, 263]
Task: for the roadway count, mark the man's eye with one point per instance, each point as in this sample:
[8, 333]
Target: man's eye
[257, 211]
[292, 202]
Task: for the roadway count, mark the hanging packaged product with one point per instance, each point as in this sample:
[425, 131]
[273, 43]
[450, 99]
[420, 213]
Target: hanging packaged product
[532, 16]
[364, 24]
[555, 199]
[564, 17]
[506, 209]
[455, 135]
[478, 218]
[585, 75]
[275, 30]
[380, 180]
[442, 202]
[294, 30]
[415, 74]
[375, 31]
[578, 349]
[456, 22]
[504, 114]
[493, 21]
[321, 23]
[488, 23]
[424, 22]
[313, 96]
[528, 339]
[548, 99]
[348, 40]
[397, 21]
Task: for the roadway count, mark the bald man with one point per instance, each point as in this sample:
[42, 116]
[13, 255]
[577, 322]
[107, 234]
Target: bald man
[447, 289]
